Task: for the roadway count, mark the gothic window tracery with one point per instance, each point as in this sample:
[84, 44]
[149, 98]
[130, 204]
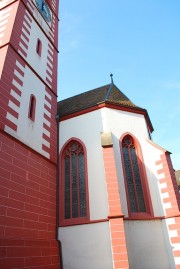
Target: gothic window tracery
[74, 182]
[133, 176]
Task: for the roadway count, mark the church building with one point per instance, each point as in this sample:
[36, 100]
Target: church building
[119, 201]
[82, 184]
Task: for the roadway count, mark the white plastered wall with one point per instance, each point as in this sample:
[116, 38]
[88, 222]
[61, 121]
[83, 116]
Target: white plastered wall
[87, 128]
[41, 20]
[38, 63]
[86, 246]
[146, 246]
[135, 124]
[118, 123]
[28, 131]
[141, 235]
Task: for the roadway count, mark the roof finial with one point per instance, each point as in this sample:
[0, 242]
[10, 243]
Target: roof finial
[111, 75]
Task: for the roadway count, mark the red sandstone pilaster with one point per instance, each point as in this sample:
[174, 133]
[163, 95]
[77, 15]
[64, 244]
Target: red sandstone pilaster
[118, 240]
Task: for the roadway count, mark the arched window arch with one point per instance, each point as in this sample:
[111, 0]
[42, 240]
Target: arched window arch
[32, 107]
[74, 185]
[39, 47]
[138, 197]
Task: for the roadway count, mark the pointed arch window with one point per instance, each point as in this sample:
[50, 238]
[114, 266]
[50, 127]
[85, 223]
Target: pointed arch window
[32, 107]
[75, 207]
[136, 188]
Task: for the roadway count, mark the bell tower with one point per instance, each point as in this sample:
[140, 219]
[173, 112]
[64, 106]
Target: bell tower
[28, 99]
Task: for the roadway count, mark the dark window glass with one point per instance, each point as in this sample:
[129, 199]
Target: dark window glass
[74, 182]
[133, 176]
[39, 47]
[32, 107]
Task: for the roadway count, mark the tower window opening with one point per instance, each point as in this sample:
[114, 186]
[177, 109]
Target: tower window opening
[32, 107]
[39, 47]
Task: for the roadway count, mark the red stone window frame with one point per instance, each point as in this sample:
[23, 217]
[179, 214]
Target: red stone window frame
[32, 107]
[73, 163]
[134, 165]
[39, 47]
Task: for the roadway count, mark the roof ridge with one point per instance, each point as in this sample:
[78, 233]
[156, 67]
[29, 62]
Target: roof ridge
[109, 91]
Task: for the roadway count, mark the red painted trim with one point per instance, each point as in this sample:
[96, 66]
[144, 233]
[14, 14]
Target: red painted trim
[45, 126]
[14, 100]
[157, 146]
[45, 148]
[50, 51]
[32, 107]
[19, 81]
[47, 99]
[48, 81]
[49, 59]
[47, 108]
[47, 138]
[172, 216]
[115, 216]
[30, 12]
[19, 71]
[27, 31]
[27, 147]
[62, 221]
[116, 224]
[9, 4]
[4, 45]
[86, 222]
[10, 124]
[25, 37]
[145, 187]
[36, 74]
[98, 221]
[170, 179]
[49, 66]
[144, 218]
[27, 22]
[48, 73]
[113, 106]
[118, 244]
[22, 51]
[24, 44]
[13, 112]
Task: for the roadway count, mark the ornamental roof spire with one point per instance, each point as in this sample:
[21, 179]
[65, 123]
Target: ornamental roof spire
[111, 75]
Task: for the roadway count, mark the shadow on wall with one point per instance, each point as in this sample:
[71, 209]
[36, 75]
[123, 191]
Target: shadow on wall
[148, 240]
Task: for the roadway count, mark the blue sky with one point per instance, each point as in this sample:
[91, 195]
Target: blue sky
[139, 42]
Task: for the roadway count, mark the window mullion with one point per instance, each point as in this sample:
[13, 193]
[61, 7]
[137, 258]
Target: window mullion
[133, 177]
[78, 187]
[70, 185]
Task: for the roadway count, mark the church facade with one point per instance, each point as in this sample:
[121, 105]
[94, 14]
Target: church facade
[82, 184]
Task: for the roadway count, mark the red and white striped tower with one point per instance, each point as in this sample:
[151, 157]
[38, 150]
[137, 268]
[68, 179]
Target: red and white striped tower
[28, 98]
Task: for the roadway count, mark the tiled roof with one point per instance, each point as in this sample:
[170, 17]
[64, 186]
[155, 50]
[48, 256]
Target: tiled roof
[177, 174]
[105, 94]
